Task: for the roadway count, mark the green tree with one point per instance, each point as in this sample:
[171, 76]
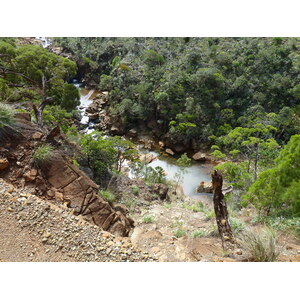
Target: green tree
[70, 98]
[34, 67]
[279, 187]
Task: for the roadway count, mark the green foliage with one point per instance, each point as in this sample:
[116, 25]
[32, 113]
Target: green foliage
[236, 174]
[6, 115]
[209, 214]
[43, 155]
[100, 152]
[106, 153]
[284, 224]
[108, 195]
[106, 83]
[152, 58]
[70, 98]
[279, 187]
[236, 225]
[30, 72]
[197, 207]
[179, 233]
[260, 245]
[217, 154]
[54, 115]
[183, 84]
[135, 190]
[148, 219]
[130, 203]
[199, 233]
[148, 174]
[215, 147]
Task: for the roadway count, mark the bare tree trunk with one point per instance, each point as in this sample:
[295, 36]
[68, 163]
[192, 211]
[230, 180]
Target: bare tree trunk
[38, 111]
[221, 211]
[256, 161]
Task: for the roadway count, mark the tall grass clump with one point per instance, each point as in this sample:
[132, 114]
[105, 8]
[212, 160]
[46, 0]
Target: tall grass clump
[261, 245]
[6, 115]
[43, 156]
[108, 196]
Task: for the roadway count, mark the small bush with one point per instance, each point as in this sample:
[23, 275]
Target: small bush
[135, 190]
[217, 154]
[130, 203]
[108, 196]
[167, 205]
[180, 233]
[43, 155]
[213, 230]
[197, 207]
[176, 224]
[236, 225]
[260, 245]
[6, 115]
[148, 219]
[209, 214]
[199, 233]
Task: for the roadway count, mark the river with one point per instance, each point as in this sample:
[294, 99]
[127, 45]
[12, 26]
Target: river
[194, 174]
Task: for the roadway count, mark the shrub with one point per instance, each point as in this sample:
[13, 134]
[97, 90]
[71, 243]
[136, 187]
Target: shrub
[108, 196]
[148, 219]
[197, 207]
[199, 233]
[215, 147]
[135, 190]
[130, 203]
[6, 115]
[209, 214]
[217, 154]
[43, 155]
[236, 225]
[180, 233]
[213, 230]
[260, 245]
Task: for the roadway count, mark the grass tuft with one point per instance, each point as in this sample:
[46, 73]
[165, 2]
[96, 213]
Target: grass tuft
[43, 155]
[261, 245]
[148, 219]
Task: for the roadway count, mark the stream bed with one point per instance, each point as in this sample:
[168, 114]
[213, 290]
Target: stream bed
[194, 174]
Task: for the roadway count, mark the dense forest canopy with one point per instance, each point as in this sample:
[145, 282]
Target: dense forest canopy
[196, 89]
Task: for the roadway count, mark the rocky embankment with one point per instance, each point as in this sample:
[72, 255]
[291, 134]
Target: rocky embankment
[33, 229]
[61, 181]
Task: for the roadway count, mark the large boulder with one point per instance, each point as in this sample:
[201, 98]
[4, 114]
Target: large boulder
[204, 187]
[170, 151]
[93, 116]
[147, 158]
[199, 156]
[92, 108]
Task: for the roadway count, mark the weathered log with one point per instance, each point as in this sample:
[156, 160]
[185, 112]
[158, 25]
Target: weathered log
[221, 212]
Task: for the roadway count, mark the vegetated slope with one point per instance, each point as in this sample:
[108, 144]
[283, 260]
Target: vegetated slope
[194, 89]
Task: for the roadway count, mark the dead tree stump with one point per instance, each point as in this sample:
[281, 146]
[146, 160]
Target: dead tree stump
[221, 211]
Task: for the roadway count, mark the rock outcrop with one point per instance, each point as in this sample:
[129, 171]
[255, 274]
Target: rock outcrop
[81, 194]
[204, 187]
[60, 181]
